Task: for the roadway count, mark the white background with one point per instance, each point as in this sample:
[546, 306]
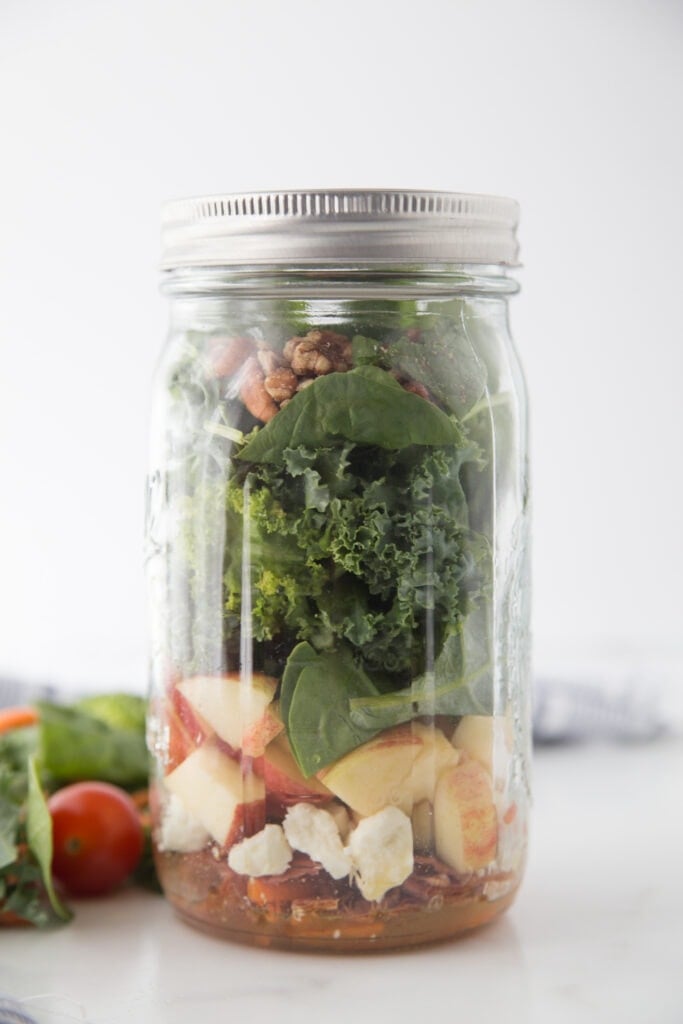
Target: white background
[573, 107]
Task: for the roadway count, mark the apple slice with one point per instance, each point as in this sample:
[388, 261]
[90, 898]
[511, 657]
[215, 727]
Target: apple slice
[486, 738]
[436, 755]
[262, 732]
[185, 730]
[234, 706]
[465, 818]
[378, 773]
[229, 803]
[422, 820]
[283, 777]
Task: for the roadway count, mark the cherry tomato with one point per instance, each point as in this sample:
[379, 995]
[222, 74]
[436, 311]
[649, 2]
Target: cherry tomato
[97, 837]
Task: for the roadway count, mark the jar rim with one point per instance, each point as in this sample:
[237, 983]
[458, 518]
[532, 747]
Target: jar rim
[344, 225]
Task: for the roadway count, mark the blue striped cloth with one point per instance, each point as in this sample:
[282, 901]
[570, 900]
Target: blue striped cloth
[11, 1012]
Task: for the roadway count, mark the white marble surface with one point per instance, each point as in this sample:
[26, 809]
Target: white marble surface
[596, 934]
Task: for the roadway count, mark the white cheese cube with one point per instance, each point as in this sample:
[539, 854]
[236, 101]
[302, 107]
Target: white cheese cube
[180, 830]
[381, 849]
[266, 853]
[315, 832]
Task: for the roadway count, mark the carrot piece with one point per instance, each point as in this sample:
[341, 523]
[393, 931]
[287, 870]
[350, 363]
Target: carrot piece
[17, 717]
[8, 919]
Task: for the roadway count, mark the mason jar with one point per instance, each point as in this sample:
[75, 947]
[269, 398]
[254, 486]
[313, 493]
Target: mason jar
[337, 540]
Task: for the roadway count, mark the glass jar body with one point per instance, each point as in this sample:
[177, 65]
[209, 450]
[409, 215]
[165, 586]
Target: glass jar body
[337, 561]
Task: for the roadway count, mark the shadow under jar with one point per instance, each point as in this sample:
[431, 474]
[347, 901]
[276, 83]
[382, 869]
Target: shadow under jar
[337, 562]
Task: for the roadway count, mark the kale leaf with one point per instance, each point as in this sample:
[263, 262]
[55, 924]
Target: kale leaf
[358, 545]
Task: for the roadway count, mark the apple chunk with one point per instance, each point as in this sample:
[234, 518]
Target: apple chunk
[185, 731]
[378, 773]
[283, 777]
[465, 818]
[218, 794]
[257, 737]
[485, 738]
[399, 768]
[435, 755]
[234, 706]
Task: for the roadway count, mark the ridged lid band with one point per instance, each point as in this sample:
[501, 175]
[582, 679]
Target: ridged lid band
[367, 226]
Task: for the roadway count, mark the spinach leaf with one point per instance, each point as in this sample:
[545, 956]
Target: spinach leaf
[39, 837]
[365, 405]
[118, 710]
[76, 745]
[461, 682]
[319, 723]
[445, 358]
[302, 655]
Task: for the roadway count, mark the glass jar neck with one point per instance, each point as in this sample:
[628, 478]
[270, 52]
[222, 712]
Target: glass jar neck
[340, 280]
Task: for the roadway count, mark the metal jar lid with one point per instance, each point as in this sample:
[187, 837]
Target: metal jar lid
[341, 226]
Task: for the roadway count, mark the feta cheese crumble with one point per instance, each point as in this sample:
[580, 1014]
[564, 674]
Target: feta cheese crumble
[180, 830]
[266, 853]
[381, 848]
[315, 832]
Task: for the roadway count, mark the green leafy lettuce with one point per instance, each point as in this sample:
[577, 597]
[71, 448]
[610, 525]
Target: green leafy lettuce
[102, 738]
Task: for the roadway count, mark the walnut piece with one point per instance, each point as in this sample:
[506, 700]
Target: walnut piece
[281, 384]
[318, 353]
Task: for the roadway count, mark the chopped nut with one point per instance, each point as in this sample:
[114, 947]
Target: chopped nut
[318, 353]
[253, 392]
[281, 384]
[269, 360]
[226, 355]
[304, 382]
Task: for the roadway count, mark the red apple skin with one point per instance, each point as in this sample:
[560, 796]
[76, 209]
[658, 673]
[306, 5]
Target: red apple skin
[248, 820]
[196, 727]
[256, 739]
[185, 729]
[466, 819]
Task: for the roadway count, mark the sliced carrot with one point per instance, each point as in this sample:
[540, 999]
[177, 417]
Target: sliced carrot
[17, 717]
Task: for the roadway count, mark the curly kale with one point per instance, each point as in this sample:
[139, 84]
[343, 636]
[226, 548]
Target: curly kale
[358, 544]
